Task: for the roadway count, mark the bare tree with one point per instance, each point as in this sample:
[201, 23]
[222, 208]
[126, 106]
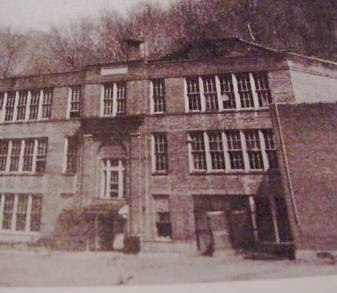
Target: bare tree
[12, 46]
[73, 45]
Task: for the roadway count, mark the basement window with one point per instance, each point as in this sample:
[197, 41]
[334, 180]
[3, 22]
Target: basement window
[163, 218]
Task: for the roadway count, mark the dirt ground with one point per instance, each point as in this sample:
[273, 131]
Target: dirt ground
[46, 268]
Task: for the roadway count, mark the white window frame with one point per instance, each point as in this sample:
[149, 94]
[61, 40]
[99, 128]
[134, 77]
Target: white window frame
[13, 230]
[21, 157]
[152, 103]
[69, 101]
[153, 154]
[28, 104]
[218, 90]
[228, 168]
[114, 99]
[106, 180]
[65, 156]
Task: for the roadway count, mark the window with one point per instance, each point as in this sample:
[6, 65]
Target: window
[216, 150]
[160, 153]
[74, 102]
[270, 148]
[41, 157]
[10, 106]
[262, 88]
[121, 97]
[28, 155]
[163, 217]
[254, 149]
[34, 105]
[15, 155]
[227, 91]
[198, 154]
[71, 154]
[23, 155]
[193, 94]
[232, 150]
[2, 99]
[8, 211]
[35, 217]
[158, 96]
[245, 91]
[112, 180]
[2, 103]
[3, 154]
[26, 105]
[235, 149]
[21, 212]
[210, 93]
[22, 105]
[47, 102]
[114, 99]
[108, 97]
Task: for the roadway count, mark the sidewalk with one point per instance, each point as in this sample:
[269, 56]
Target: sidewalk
[50, 268]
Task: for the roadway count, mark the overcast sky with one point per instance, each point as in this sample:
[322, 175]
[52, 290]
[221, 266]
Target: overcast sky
[39, 14]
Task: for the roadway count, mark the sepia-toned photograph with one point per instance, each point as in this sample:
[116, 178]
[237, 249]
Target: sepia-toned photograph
[147, 142]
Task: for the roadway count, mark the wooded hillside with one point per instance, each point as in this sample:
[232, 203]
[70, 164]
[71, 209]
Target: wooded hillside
[303, 26]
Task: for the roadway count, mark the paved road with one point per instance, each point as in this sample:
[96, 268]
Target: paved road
[45, 269]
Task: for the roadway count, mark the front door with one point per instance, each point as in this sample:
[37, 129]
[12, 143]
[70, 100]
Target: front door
[105, 232]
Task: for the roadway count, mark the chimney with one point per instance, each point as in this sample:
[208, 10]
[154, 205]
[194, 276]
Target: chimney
[135, 49]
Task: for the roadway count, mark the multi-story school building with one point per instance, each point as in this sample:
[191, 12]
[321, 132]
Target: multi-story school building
[187, 152]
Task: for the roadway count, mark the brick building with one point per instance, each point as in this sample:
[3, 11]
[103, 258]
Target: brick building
[179, 151]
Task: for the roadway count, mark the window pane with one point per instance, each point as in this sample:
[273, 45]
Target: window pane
[211, 96]
[245, 91]
[121, 97]
[22, 104]
[216, 150]
[227, 91]
[193, 94]
[108, 97]
[15, 155]
[8, 212]
[160, 152]
[3, 154]
[75, 102]
[35, 218]
[235, 149]
[254, 149]
[72, 154]
[158, 94]
[34, 104]
[41, 158]
[21, 212]
[28, 155]
[10, 106]
[270, 148]
[198, 151]
[262, 88]
[47, 102]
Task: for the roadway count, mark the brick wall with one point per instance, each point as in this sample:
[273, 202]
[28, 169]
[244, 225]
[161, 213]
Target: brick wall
[310, 136]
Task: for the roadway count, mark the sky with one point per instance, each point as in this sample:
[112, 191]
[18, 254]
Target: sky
[40, 14]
